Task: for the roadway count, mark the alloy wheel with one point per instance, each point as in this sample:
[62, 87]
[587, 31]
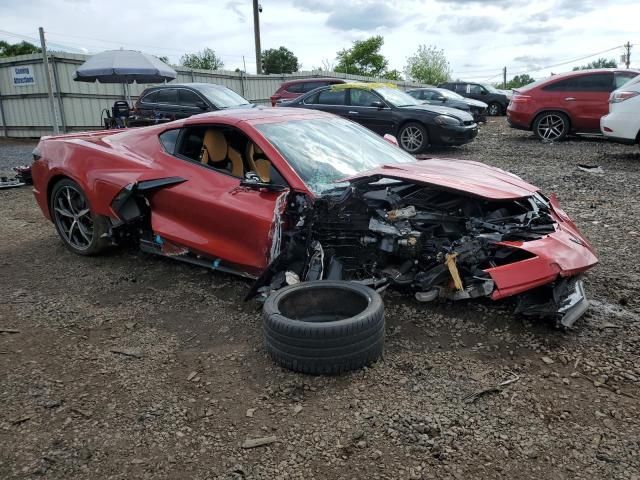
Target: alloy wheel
[551, 127]
[494, 109]
[73, 217]
[411, 139]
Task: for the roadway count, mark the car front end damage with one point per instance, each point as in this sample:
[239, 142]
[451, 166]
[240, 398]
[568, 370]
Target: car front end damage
[436, 243]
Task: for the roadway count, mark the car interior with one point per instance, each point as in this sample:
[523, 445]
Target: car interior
[228, 151]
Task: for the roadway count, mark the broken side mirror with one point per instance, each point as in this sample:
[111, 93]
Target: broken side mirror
[253, 181]
[391, 139]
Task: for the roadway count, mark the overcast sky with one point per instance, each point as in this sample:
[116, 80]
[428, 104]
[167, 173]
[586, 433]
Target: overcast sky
[478, 37]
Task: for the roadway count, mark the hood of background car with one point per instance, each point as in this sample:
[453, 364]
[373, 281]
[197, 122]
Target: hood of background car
[475, 103]
[474, 178]
[453, 112]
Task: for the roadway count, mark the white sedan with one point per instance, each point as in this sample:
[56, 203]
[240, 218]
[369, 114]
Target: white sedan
[622, 124]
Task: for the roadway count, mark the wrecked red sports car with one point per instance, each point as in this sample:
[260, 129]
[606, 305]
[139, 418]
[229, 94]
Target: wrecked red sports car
[288, 195]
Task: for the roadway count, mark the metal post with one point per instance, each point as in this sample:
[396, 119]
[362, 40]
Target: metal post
[256, 33]
[56, 81]
[47, 73]
[3, 119]
[504, 78]
[628, 56]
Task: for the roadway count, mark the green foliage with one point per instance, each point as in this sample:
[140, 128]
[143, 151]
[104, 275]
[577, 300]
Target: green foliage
[520, 81]
[205, 60]
[428, 65]
[393, 75]
[279, 60]
[22, 48]
[599, 63]
[363, 58]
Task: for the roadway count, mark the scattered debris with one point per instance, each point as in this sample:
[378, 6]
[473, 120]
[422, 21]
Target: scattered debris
[250, 412]
[84, 413]
[590, 168]
[21, 419]
[547, 360]
[495, 389]
[297, 409]
[128, 352]
[192, 375]
[9, 330]
[258, 442]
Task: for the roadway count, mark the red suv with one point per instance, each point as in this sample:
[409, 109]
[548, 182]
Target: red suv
[565, 103]
[294, 88]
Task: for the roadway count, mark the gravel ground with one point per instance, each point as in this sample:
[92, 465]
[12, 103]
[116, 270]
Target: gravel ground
[131, 366]
[15, 152]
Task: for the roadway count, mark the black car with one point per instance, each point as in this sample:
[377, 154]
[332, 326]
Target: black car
[497, 101]
[175, 101]
[447, 98]
[386, 110]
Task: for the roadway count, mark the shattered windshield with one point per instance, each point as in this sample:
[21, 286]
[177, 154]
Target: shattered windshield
[322, 151]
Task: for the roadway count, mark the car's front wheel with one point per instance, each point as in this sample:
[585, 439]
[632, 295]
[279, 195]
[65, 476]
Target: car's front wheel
[551, 126]
[82, 231]
[494, 109]
[413, 138]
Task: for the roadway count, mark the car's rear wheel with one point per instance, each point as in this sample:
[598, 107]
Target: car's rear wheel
[494, 109]
[413, 138]
[551, 126]
[81, 231]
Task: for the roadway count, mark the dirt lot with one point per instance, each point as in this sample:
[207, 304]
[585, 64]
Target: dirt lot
[195, 381]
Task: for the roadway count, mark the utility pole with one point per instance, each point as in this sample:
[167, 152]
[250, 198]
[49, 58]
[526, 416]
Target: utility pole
[47, 74]
[627, 59]
[257, 8]
[504, 78]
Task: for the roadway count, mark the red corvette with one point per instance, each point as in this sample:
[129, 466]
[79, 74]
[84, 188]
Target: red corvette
[288, 195]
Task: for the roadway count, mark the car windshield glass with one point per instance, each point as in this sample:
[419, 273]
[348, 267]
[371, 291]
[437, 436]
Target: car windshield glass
[398, 98]
[449, 94]
[323, 151]
[222, 97]
[490, 88]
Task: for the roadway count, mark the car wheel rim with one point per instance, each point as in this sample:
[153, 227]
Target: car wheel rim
[73, 217]
[551, 127]
[411, 139]
[493, 110]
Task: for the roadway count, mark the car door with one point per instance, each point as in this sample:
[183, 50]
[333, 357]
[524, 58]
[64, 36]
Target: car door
[210, 213]
[328, 100]
[475, 91]
[190, 103]
[146, 106]
[364, 110]
[588, 100]
[167, 103]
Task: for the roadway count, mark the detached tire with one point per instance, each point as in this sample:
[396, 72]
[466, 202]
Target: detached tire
[324, 327]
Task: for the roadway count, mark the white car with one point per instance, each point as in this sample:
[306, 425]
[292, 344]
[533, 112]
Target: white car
[622, 125]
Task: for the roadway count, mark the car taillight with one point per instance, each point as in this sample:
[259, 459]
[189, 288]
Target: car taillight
[617, 97]
[520, 98]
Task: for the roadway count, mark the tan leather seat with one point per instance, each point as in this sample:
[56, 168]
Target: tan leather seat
[214, 147]
[216, 150]
[237, 168]
[259, 162]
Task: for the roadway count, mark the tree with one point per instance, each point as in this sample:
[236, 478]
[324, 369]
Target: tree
[205, 60]
[393, 75]
[520, 81]
[363, 58]
[428, 65]
[599, 63]
[22, 48]
[279, 60]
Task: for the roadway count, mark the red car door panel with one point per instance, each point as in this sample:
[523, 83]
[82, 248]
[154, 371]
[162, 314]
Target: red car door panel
[211, 214]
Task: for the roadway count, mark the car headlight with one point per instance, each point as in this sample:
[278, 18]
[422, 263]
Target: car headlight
[447, 120]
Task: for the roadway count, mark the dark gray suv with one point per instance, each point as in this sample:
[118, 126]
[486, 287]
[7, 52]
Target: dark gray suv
[496, 100]
[181, 100]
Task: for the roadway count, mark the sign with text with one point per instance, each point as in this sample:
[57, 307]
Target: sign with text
[23, 75]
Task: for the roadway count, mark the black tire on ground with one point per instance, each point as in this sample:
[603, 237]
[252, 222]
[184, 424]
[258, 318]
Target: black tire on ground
[551, 126]
[494, 109]
[324, 327]
[81, 230]
[413, 138]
